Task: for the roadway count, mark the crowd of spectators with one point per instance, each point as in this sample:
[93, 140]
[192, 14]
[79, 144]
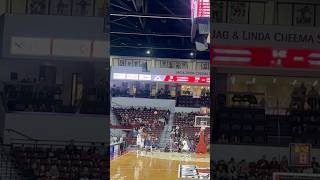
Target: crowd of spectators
[71, 162]
[151, 119]
[262, 169]
[177, 136]
[300, 96]
[124, 91]
[183, 129]
[31, 95]
[186, 122]
[184, 99]
[254, 126]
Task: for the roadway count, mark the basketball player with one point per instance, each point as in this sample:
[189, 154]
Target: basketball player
[142, 142]
[148, 144]
[185, 146]
[139, 139]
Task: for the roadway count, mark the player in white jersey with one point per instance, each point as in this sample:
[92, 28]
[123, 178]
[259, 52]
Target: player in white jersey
[138, 144]
[185, 146]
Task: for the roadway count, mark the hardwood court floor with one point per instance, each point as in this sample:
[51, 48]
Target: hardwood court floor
[131, 167]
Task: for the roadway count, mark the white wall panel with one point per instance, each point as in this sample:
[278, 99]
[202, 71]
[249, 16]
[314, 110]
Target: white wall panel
[100, 49]
[71, 48]
[49, 126]
[30, 46]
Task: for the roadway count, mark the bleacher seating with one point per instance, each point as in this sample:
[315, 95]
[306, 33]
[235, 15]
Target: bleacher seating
[254, 126]
[36, 97]
[262, 169]
[71, 163]
[150, 118]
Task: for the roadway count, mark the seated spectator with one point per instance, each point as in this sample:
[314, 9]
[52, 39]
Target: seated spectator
[53, 173]
[92, 148]
[29, 108]
[274, 165]
[40, 172]
[312, 99]
[84, 174]
[315, 165]
[262, 163]
[71, 148]
[284, 164]
[103, 150]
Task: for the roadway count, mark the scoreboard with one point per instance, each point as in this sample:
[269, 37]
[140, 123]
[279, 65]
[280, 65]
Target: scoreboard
[200, 8]
[200, 17]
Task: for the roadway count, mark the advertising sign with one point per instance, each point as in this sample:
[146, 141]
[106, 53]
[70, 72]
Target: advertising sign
[116, 151]
[145, 77]
[111, 152]
[265, 57]
[187, 79]
[265, 36]
[162, 78]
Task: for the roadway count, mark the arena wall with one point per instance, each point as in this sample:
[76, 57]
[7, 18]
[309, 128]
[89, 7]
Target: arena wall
[186, 109]
[64, 127]
[142, 102]
[252, 153]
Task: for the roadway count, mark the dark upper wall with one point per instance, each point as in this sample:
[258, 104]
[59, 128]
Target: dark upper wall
[1, 32]
[55, 26]
[69, 27]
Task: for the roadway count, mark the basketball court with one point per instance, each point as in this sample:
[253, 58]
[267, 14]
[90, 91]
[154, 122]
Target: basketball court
[165, 165]
[156, 166]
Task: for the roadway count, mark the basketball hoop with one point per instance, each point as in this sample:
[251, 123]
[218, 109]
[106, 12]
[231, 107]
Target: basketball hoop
[203, 122]
[202, 128]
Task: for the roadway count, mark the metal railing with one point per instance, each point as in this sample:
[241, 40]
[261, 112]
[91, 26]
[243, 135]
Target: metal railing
[20, 134]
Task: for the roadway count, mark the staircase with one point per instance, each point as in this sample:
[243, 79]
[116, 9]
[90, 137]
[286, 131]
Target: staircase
[165, 135]
[114, 121]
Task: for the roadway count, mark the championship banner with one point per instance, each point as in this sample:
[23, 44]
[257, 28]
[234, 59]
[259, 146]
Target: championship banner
[225, 55]
[300, 154]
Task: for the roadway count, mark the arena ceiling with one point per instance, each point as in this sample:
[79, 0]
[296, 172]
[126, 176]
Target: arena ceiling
[157, 28]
